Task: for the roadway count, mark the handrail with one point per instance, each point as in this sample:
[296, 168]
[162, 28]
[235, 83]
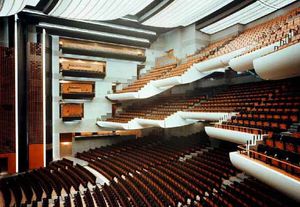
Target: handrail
[248, 152]
[260, 131]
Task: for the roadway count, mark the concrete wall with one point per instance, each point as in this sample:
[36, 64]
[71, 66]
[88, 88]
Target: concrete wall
[228, 32]
[185, 130]
[4, 31]
[82, 145]
[184, 41]
[116, 70]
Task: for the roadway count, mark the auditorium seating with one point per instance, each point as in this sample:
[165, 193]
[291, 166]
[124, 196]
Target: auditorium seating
[284, 29]
[157, 172]
[266, 107]
[274, 115]
[58, 176]
[271, 97]
[154, 168]
[239, 194]
[158, 109]
[154, 74]
[174, 69]
[150, 171]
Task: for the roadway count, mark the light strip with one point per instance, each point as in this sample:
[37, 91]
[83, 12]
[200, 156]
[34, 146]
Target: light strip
[120, 27]
[86, 31]
[115, 26]
[44, 95]
[268, 4]
[129, 19]
[16, 96]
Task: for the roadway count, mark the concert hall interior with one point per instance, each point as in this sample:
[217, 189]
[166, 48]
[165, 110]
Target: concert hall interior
[149, 103]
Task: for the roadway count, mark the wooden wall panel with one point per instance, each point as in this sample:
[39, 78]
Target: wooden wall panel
[71, 111]
[36, 156]
[77, 89]
[35, 105]
[102, 47]
[82, 68]
[11, 160]
[7, 106]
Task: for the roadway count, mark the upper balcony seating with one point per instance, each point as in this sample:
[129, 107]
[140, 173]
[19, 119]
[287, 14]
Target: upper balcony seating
[280, 152]
[274, 103]
[154, 74]
[284, 29]
[174, 69]
[157, 109]
[274, 116]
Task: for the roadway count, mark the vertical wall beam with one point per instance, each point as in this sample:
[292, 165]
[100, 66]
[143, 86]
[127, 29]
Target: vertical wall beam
[55, 96]
[20, 97]
[16, 96]
[44, 69]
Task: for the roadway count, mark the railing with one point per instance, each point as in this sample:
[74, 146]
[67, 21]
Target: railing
[242, 129]
[226, 117]
[286, 166]
[258, 134]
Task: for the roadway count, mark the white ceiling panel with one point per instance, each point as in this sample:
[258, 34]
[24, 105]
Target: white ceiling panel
[248, 14]
[11, 7]
[185, 12]
[97, 9]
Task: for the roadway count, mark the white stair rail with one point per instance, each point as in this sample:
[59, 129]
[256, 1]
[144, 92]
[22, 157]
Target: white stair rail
[195, 72]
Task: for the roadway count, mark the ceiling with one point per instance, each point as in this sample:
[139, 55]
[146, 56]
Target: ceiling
[212, 16]
[246, 15]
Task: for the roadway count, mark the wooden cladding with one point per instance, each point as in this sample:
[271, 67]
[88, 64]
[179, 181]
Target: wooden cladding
[82, 68]
[100, 134]
[100, 49]
[7, 100]
[35, 93]
[167, 59]
[71, 111]
[77, 89]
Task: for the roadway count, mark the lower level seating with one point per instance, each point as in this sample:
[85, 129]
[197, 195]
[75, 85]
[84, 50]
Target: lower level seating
[179, 171]
[150, 171]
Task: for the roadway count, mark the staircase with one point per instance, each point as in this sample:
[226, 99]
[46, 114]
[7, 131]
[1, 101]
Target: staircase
[294, 128]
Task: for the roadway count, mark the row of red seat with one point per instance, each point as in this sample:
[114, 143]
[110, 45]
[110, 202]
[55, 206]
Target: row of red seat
[158, 108]
[275, 116]
[155, 172]
[284, 29]
[31, 187]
